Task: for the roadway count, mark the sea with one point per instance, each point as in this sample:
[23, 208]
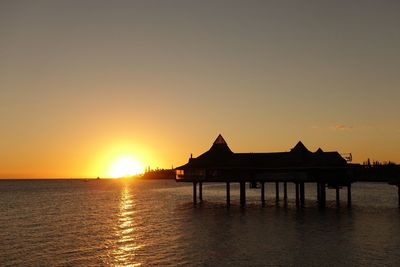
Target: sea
[124, 222]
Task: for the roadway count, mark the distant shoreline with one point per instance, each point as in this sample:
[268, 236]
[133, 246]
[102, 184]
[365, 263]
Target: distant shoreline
[158, 174]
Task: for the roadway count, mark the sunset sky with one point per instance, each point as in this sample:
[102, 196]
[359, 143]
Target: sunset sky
[83, 83]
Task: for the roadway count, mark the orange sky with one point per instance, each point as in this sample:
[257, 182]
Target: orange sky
[85, 83]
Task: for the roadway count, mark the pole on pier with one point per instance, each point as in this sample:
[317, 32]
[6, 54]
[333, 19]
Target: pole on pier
[263, 193]
[296, 185]
[398, 193]
[277, 191]
[349, 195]
[285, 191]
[337, 196]
[318, 192]
[322, 194]
[194, 193]
[200, 191]
[302, 198]
[228, 194]
[242, 194]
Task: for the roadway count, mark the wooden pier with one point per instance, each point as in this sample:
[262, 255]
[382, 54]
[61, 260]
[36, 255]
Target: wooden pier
[299, 166]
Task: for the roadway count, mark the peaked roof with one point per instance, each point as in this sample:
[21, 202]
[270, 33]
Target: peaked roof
[220, 141]
[219, 151]
[221, 156]
[300, 147]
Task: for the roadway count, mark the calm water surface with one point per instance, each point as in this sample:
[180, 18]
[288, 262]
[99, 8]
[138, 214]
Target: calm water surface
[153, 223]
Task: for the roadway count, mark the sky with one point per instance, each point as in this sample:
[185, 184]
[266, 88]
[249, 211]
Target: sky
[83, 83]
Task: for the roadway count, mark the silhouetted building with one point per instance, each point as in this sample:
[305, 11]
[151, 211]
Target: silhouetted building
[219, 163]
[298, 166]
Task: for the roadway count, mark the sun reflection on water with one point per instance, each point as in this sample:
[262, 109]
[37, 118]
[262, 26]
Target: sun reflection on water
[124, 253]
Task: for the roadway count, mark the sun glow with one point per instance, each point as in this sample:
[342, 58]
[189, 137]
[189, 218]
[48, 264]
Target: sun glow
[124, 167]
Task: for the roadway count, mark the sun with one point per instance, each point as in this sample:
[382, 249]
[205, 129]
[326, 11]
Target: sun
[125, 166]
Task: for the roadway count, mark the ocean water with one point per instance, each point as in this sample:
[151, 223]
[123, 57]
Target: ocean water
[154, 223]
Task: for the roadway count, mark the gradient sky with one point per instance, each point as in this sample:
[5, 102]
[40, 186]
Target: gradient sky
[82, 82]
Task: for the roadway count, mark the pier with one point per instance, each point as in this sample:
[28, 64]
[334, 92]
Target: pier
[299, 166]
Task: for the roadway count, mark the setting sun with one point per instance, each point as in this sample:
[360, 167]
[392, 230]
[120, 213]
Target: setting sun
[125, 166]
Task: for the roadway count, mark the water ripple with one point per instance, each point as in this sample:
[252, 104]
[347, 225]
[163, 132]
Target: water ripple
[154, 223]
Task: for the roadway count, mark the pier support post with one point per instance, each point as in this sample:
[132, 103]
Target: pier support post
[398, 193]
[349, 195]
[337, 195]
[277, 191]
[200, 191]
[242, 194]
[228, 194]
[263, 193]
[302, 197]
[194, 192]
[318, 192]
[285, 191]
[296, 185]
[322, 194]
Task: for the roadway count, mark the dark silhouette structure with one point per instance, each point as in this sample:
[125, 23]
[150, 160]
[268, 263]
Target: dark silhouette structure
[298, 166]
[158, 174]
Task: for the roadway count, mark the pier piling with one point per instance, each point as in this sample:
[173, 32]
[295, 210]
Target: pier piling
[200, 191]
[242, 194]
[302, 196]
[322, 194]
[228, 194]
[277, 191]
[349, 195]
[263, 193]
[296, 185]
[398, 193]
[285, 191]
[194, 193]
[337, 195]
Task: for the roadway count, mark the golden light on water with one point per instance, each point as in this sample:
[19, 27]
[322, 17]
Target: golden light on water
[124, 253]
[125, 166]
